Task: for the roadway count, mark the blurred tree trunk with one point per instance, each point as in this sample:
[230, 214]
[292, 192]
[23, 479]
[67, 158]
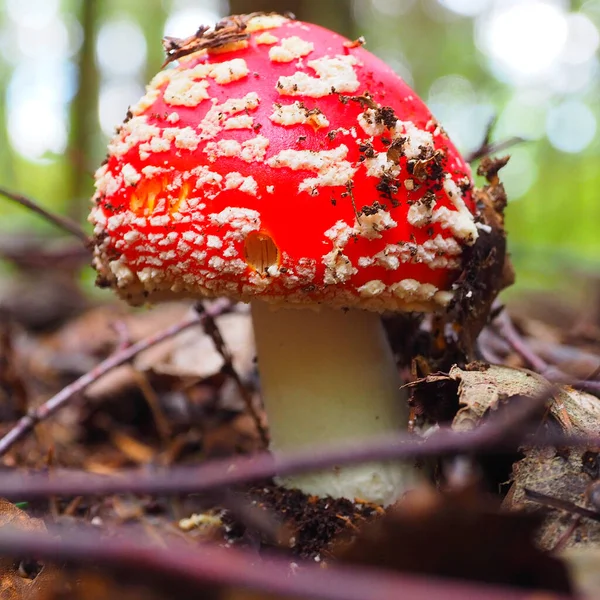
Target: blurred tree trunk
[335, 14]
[152, 20]
[84, 116]
[6, 158]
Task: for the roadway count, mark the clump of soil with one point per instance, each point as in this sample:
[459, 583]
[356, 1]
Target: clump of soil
[307, 525]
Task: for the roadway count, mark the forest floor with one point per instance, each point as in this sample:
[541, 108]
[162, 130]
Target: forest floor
[126, 473]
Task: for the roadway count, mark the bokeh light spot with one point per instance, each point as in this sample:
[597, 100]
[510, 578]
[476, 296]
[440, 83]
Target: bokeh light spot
[582, 40]
[524, 39]
[466, 8]
[524, 115]
[520, 173]
[571, 126]
[121, 48]
[36, 128]
[115, 98]
[50, 41]
[392, 9]
[35, 14]
[184, 22]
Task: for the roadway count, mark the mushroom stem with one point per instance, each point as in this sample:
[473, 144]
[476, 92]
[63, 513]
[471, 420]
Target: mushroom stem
[329, 376]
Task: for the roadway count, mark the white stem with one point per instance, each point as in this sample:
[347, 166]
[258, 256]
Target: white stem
[329, 376]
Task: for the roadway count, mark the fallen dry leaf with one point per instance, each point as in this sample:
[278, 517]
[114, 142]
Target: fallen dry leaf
[562, 474]
[12, 516]
[557, 473]
[544, 470]
[483, 387]
[239, 436]
[14, 585]
[458, 534]
[192, 352]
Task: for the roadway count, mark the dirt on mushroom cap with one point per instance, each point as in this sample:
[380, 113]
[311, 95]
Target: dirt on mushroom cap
[282, 162]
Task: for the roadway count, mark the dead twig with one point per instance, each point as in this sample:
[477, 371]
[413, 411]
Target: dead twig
[232, 568]
[491, 148]
[212, 330]
[488, 147]
[563, 540]
[593, 387]
[222, 473]
[61, 222]
[499, 433]
[230, 30]
[504, 327]
[559, 504]
[60, 400]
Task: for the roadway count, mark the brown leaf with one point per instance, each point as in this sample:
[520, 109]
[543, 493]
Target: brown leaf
[192, 352]
[457, 535]
[562, 475]
[15, 587]
[12, 516]
[483, 387]
[13, 584]
[237, 436]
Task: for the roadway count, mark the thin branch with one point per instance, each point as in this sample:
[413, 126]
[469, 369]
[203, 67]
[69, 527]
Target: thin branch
[61, 222]
[593, 387]
[84, 112]
[491, 148]
[222, 473]
[559, 504]
[67, 394]
[504, 326]
[232, 568]
[212, 330]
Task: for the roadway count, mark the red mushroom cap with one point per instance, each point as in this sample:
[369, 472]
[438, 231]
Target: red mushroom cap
[290, 165]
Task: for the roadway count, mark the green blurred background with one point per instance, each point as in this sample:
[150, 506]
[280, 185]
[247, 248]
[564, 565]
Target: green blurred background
[70, 68]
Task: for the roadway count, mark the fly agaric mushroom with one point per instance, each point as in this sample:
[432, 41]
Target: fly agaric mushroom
[282, 165]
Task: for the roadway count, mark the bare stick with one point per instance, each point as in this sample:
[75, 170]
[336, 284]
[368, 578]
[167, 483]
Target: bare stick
[218, 474]
[505, 328]
[212, 330]
[210, 565]
[491, 148]
[593, 387]
[61, 222]
[60, 400]
[485, 142]
[559, 504]
[488, 147]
